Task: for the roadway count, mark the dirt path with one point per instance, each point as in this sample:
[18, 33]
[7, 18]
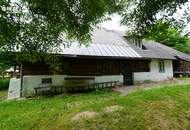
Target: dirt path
[128, 89]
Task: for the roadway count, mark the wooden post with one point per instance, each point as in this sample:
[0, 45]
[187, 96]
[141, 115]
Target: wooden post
[14, 71]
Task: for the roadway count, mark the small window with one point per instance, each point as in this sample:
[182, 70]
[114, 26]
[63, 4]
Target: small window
[161, 66]
[46, 80]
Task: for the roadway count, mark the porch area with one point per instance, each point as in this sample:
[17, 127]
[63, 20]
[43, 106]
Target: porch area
[80, 74]
[181, 68]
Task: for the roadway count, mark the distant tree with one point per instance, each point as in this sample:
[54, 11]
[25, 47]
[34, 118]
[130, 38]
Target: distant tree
[170, 35]
[3, 68]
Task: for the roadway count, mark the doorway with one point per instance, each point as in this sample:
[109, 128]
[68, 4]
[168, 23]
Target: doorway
[128, 78]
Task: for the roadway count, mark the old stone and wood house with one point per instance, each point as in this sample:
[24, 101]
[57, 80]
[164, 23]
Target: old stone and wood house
[110, 57]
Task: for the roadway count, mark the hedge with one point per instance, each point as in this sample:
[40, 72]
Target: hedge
[4, 84]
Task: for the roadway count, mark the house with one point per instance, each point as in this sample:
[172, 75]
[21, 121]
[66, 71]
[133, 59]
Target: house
[110, 57]
[159, 52]
[13, 72]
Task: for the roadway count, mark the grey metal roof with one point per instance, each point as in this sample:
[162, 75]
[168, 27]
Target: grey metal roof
[101, 50]
[104, 36]
[153, 51]
[109, 43]
[105, 43]
[162, 50]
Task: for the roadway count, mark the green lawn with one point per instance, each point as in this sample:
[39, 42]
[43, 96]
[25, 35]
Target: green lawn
[3, 94]
[161, 108]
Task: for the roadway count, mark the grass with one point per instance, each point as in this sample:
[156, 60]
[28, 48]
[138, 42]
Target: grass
[3, 94]
[154, 109]
[183, 78]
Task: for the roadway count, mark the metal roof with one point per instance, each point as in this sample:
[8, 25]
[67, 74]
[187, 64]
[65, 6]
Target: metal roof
[152, 51]
[109, 43]
[162, 50]
[105, 43]
[104, 50]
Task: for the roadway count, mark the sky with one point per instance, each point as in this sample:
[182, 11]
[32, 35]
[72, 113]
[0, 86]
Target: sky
[114, 23]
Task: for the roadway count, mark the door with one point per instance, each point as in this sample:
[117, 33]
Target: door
[128, 78]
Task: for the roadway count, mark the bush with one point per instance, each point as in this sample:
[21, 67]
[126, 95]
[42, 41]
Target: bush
[4, 84]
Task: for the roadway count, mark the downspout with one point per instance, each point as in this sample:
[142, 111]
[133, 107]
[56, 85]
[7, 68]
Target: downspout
[21, 80]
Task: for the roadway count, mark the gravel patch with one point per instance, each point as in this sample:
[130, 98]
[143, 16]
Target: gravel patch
[84, 115]
[113, 108]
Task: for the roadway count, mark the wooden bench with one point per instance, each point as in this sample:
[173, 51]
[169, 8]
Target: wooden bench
[92, 86]
[74, 87]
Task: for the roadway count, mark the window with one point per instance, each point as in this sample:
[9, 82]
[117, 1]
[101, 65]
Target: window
[161, 66]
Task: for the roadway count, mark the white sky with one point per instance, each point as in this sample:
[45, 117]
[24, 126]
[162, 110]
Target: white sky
[114, 23]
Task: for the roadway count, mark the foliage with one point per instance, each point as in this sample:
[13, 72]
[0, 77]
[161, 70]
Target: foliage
[77, 18]
[26, 34]
[33, 28]
[7, 60]
[4, 84]
[9, 25]
[161, 108]
[36, 30]
[140, 15]
[39, 24]
[3, 68]
[185, 18]
[170, 35]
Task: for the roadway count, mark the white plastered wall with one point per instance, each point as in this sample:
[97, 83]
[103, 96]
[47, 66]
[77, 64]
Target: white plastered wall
[109, 78]
[14, 88]
[154, 74]
[32, 81]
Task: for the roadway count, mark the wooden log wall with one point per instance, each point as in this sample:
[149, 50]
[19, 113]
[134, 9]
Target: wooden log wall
[181, 65]
[95, 67]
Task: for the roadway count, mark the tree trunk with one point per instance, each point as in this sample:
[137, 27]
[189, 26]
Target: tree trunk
[14, 71]
[2, 75]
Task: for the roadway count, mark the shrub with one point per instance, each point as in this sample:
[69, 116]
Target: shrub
[4, 84]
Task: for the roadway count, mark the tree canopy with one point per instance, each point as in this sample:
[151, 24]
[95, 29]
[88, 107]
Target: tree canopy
[34, 28]
[170, 35]
[140, 15]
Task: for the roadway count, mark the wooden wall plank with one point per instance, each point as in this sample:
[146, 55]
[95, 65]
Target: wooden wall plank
[95, 67]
